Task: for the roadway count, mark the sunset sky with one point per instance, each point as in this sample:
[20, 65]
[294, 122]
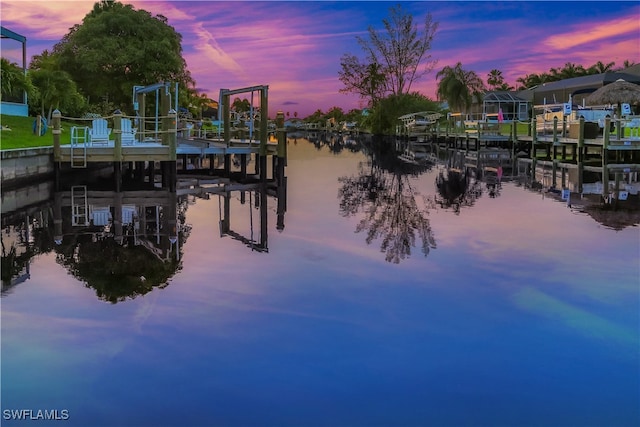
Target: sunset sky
[295, 47]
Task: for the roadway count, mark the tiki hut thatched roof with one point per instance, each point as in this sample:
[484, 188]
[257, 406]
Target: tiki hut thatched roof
[617, 92]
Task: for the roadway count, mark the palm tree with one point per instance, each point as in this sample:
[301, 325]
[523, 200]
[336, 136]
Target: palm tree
[626, 64]
[374, 82]
[241, 105]
[599, 67]
[568, 71]
[495, 80]
[458, 86]
[200, 102]
[56, 90]
[13, 79]
[533, 79]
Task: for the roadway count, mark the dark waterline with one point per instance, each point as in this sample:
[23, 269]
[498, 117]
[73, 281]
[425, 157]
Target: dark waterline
[395, 295]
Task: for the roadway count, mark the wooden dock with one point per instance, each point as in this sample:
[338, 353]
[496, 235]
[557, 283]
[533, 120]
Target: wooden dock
[612, 156]
[124, 146]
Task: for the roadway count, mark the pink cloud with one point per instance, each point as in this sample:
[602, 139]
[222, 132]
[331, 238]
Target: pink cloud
[295, 48]
[43, 20]
[211, 51]
[592, 32]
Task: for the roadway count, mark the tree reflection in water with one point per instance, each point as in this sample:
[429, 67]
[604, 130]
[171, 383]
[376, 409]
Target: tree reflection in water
[456, 189]
[383, 192]
[116, 272]
[124, 270]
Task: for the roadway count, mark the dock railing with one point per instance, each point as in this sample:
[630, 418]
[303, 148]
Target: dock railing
[134, 133]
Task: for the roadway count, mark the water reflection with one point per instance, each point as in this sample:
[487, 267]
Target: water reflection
[22, 238]
[393, 204]
[518, 289]
[385, 194]
[388, 201]
[335, 142]
[124, 244]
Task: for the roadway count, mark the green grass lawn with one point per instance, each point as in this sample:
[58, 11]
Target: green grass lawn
[21, 134]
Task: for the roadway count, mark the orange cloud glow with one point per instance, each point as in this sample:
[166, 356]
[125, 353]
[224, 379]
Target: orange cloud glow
[585, 33]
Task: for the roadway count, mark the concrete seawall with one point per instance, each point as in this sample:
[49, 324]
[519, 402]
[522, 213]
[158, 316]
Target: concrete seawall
[25, 164]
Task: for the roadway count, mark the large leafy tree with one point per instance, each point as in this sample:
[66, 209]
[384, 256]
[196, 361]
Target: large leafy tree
[458, 86]
[394, 57]
[117, 47]
[383, 117]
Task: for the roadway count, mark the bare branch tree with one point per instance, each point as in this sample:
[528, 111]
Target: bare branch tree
[395, 57]
[401, 49]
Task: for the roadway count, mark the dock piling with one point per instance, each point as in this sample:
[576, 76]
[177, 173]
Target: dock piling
[117, 132]
[55, 121]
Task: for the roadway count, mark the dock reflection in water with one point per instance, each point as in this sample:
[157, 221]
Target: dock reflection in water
[124, 244]
[523, 313]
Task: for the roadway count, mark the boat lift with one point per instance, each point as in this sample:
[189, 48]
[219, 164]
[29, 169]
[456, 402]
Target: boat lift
[162, 101]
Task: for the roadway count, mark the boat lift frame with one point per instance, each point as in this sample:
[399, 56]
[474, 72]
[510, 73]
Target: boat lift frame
[163, 101]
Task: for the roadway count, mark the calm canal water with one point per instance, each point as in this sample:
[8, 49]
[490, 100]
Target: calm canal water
[388, 299]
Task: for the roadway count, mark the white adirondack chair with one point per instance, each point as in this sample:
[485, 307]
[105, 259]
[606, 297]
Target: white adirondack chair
[128, 132]
[99, 132]
[128, 214]
[101, 216]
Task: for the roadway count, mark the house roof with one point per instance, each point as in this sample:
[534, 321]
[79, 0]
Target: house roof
[595, 80]
[502, 96]
[634, 70]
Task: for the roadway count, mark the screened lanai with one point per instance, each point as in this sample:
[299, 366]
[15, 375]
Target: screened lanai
[512, 106]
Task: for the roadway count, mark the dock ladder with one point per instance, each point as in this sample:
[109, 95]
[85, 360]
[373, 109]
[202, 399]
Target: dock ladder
[79, 139]
[79, 206]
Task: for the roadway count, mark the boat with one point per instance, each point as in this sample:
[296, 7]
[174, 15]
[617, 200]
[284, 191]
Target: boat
[546, 113]
[420, 121]
[408, 156]
[414, 155]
